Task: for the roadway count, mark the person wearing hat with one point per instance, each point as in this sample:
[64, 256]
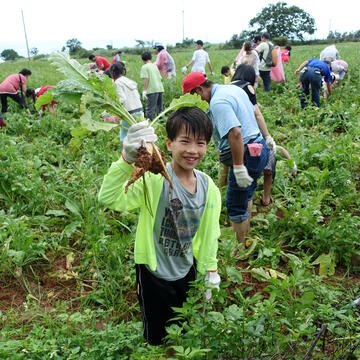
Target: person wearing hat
[312, 73]
[199, 60]
[240, 142]
[164, 61]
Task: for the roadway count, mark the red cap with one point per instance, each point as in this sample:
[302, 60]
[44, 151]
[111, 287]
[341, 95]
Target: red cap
[192, 81]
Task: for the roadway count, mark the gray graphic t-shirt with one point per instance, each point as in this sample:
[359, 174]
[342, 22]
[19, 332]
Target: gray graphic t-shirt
[177, 219]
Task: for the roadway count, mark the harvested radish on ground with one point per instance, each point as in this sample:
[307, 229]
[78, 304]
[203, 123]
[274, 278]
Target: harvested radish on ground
[148, 158]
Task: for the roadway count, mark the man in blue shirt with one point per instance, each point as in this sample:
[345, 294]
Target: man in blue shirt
[241, 145]
[315, 71]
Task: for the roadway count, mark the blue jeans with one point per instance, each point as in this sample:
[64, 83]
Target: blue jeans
[265, 76]
[312, 76]
[237, 198]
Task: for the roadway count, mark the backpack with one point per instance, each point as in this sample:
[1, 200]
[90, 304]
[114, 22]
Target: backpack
[271, 58]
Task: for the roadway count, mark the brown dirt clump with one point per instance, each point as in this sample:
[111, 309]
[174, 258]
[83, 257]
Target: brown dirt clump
[147, 159]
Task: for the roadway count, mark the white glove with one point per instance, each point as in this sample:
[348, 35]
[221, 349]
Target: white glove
[294, 170]
[184, 69]
[212, 279]
[242, 177]
[138, 135]
[144, 97]
[271, 143]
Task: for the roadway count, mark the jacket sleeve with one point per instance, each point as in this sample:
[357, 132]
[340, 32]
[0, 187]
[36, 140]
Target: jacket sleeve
[205, 245]
[121, 93]
[112, 193]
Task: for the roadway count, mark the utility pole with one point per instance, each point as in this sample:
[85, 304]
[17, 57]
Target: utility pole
[27, 45]
[183, 24]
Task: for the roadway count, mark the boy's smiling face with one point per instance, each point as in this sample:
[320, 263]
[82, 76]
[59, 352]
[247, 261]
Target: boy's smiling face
[187, 150]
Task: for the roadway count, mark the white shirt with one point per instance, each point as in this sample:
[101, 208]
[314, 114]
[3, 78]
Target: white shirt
[200, 58]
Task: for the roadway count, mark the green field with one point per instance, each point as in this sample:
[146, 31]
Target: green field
[67, 274]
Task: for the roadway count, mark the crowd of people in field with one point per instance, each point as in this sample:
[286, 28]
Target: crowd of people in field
[180, 238]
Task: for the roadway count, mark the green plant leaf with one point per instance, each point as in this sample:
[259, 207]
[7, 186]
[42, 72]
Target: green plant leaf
[92, 125]
[327, 264]
[44, 99]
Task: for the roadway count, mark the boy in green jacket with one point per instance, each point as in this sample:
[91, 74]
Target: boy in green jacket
[181, 238]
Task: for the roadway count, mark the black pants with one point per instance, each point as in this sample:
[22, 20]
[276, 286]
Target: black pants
[157, 297]
[16, 97]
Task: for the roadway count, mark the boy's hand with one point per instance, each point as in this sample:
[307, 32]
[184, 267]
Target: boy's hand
[242, 176]
[270, 143]
[212, 279]
[184, 69]
[144, 96]
[138, 135]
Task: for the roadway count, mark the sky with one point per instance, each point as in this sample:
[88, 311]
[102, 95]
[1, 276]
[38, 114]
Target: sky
[49, 24]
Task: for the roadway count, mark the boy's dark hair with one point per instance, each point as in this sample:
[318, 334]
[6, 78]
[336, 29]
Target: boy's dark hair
[247, 46]
[245, 72]
[224, 69]
[92, 57]
[160, 47]
[25, 72]
[266, 35]
[195, 121]
[199, 42]
[119, 52]
[30, 92]
[288, 47]
[257, 38]
[145, 56]
[117, 69]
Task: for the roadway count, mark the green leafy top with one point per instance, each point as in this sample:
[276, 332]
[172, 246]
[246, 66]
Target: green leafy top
[187, 100]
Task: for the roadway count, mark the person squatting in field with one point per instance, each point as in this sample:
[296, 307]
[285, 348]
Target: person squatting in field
[34, 94]
[164, 61]
[199, 60]
[240, 142]
[180, 240]
[10, 87]
[312, 73]
[153, 89]
[102, 64]
[128, 95]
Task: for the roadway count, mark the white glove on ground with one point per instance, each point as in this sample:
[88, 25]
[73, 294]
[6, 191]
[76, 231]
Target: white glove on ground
[294, 170]
[270, 143]
[144, 97]
[212, 279]
[184, 69]
[138, 135]
[242, 177]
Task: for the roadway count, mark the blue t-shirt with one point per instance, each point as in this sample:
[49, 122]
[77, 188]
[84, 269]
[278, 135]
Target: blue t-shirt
[230, 107]
[321, 65]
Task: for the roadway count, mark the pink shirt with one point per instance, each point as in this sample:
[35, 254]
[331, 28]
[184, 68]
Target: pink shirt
[11, 85]
[161, 62]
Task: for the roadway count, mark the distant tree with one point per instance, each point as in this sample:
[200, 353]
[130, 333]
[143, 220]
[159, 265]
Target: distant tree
[109, 47]
[73, 45]
[282, 20]
[331, 35]
[140, 43]
[63, 48]
[34, 51]
[9, 54]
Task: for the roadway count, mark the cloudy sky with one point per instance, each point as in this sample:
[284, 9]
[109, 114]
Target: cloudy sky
[50, 24]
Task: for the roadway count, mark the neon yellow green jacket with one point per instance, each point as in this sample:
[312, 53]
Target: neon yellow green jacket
[112, 195]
